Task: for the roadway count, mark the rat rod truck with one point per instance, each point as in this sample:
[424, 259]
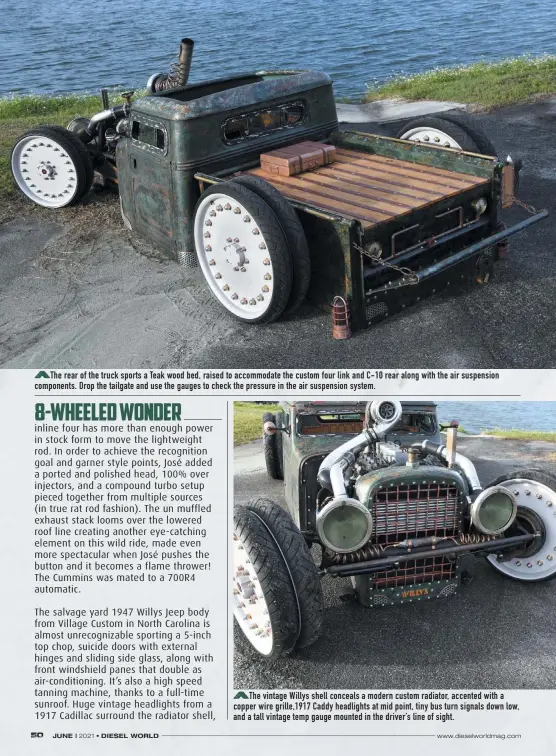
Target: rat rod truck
[384, 223]
[392, 505]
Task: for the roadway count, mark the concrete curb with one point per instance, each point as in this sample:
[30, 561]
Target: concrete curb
[392, 110]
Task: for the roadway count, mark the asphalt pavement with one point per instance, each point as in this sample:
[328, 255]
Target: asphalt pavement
[78, 289]
[495, 633]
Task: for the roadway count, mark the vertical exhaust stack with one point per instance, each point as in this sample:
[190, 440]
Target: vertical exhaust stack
[179, 71]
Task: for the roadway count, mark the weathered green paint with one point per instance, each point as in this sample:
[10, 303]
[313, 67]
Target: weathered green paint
[298, 448]
[439, 157]
[163, 207]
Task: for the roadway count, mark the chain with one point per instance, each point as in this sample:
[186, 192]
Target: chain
[406, 272]
[529, 208]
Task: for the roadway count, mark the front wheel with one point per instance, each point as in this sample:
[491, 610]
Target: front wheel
[52, 166]
[535, 491]
[278, 600]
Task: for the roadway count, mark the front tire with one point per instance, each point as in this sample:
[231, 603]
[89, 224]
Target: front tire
[52, 167]
[536, 494]
[264, 601]
[301, 567]
[272, 449]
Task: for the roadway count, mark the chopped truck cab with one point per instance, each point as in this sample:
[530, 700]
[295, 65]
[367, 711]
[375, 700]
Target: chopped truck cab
[385, 223]
[392, 505]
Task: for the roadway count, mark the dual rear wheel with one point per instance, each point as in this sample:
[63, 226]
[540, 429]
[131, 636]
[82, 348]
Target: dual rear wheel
[252, 249]
[52, 166]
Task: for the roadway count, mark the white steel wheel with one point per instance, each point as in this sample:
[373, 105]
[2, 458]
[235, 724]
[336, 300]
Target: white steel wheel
[263, 597]
[243, 253]
[51, 166]
[440, 132]
[250, 607]
[431, 136]
[536, 513]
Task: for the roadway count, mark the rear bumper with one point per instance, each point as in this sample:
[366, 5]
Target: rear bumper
[422, 280]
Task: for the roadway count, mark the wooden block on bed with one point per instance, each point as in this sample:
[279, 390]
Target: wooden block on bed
[297, 158]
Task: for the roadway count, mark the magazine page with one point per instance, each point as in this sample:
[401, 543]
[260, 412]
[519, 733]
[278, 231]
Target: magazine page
[277, 388]
[184, 562]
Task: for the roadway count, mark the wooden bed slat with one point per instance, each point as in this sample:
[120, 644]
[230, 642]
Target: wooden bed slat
[431, 170]
[409, 174]
[371, 188]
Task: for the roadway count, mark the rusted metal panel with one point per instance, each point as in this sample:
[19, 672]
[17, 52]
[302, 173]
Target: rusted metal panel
[440, 157]
[508, 183]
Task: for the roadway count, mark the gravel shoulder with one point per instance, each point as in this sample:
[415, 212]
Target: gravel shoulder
[495, 633]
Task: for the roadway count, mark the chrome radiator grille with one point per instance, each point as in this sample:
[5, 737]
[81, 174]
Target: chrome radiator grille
[411, 510]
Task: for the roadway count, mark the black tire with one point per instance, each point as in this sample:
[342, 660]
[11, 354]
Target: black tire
[301, 566]
[293, 231]
[547, 479]
[280, 442]
[477, 135]
[272, 456]
[277, 248]
[453, 130]
[274, 579]
[77, 152]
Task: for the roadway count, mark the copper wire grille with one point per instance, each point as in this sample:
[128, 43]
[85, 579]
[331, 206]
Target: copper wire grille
[415, 510]
[418, 571]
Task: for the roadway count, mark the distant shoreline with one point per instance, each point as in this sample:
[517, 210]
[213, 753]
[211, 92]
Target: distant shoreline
[482, 85]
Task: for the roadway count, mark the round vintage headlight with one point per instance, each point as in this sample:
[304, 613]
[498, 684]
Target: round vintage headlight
[344, 525]
[494, 510]
[480, 205]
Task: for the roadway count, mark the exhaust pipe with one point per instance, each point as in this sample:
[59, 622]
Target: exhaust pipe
[179, 72]
[386, 414]
[454, 459]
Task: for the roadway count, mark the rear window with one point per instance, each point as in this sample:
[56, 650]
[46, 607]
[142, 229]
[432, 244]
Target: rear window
[261, 122]
[313, 425]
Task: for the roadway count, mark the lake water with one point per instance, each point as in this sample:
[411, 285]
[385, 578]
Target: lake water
[53, 46]
[478, 416]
